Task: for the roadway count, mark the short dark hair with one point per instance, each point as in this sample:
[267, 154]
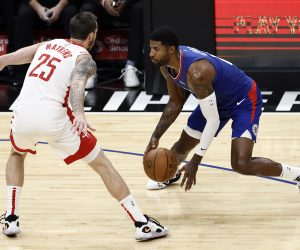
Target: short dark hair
[82, 24]
[166, 35]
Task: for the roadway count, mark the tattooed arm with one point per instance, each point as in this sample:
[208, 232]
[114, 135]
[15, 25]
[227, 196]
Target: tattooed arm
[171, 111]
[85, 67]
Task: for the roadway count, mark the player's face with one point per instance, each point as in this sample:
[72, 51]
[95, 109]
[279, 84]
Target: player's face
[159, 53]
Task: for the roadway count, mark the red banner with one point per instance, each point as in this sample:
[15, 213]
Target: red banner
[110, 44]
[3, 44]
[259, 33]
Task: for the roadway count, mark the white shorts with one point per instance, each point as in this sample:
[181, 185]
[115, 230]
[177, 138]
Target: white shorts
[54, 125]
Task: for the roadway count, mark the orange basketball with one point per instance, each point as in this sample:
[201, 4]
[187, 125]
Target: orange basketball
[160, 164]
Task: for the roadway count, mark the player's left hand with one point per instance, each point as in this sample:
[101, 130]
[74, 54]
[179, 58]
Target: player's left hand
[190, 170]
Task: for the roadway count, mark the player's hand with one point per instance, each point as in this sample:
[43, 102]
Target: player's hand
[153, 144]
[190, 170]
[80, 125]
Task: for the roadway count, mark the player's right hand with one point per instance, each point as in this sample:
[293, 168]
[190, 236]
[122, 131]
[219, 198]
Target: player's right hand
[152, 145]
[80, 125]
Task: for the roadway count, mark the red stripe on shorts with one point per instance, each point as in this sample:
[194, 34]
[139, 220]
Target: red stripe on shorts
[17, 148]
[87, 143]
[253, 98]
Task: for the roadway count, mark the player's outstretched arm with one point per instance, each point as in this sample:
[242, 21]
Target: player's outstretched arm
[85, 67]
[21, 56]
[200, 76]
[170, 113]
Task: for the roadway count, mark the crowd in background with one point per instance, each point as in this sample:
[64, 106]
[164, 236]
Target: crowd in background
[22, 17]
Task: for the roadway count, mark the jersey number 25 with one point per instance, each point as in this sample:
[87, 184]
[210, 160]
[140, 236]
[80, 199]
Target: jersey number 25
[48, 65]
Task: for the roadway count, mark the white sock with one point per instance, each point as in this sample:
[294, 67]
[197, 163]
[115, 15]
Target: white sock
[132, 209]
[290, 172]
[13, 195]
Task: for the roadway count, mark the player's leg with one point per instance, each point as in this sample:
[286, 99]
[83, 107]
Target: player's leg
[14, 183]
[22, 142]
[186, 143]
[72, 147]
[146, 227]
[111, 178]
[243, 162]
[245, 125]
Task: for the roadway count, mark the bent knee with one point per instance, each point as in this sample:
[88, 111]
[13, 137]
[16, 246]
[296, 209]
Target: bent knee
[100, 162]
[241, 167]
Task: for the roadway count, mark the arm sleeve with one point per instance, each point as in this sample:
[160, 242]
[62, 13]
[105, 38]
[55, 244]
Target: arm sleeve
[209, 109]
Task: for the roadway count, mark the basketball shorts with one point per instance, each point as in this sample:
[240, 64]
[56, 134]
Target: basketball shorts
[32, 124]
[245, 116]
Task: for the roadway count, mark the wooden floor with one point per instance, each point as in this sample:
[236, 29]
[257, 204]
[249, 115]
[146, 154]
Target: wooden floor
[67, 207]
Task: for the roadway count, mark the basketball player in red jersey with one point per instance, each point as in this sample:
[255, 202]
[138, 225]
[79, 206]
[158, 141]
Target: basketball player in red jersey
[58, 72]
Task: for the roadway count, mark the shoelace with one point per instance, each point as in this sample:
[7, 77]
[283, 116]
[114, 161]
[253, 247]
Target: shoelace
[155, 221]
[2, 219]
[123, 72]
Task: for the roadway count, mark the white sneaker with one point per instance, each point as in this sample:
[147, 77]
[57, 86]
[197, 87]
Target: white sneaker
[129, 75]
[154, 185]
[297, 180]
[11, 225]
[149, 230]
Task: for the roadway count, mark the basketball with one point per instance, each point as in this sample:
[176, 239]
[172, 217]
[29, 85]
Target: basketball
[160, 164]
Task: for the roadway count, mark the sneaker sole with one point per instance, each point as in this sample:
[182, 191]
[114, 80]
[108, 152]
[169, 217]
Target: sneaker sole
[11, 234]
[154, 237]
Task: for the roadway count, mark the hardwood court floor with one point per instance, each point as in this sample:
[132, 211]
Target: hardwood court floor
[67, 207]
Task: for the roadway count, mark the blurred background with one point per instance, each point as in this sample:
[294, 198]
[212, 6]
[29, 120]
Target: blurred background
[259, 36]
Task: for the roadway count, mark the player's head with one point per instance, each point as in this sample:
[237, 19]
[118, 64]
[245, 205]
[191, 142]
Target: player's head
[83, 26]
[163, 44]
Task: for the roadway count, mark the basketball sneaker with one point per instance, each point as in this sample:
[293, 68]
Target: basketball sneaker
[11, 225]
[149, 230]
[129, 75]
[154, 185]
[297, 180]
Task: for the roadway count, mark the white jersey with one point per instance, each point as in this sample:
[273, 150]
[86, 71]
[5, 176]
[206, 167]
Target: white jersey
[48, 77]
[41, 111]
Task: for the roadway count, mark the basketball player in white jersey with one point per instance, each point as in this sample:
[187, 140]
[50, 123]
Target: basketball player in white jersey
[58, 72]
